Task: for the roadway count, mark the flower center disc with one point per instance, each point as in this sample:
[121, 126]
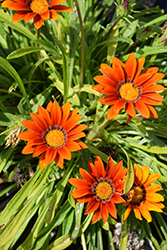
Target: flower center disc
[39, 6]
[55, 138]
[138, 195]
[128, 92]
[103, 190]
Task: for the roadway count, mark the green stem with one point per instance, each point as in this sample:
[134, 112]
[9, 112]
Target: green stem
[124, 236]
[10, 93]
[83, 44]
[83, 241]
[39, 56]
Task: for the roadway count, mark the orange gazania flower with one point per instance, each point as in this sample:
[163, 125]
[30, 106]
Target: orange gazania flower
[40, 10]
[100, 188]
[54, 134]
[125, 87]
[142, 197]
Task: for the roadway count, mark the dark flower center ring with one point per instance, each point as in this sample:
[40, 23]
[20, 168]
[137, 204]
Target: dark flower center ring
[139, 194]
[55, 137]
[103, 189]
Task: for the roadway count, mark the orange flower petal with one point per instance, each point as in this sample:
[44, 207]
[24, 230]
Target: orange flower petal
[44, 113]
[59, 160]
[153, 112]
[153, 88]
[154, 197]
[27, 135]
[142, 108]
[139, 65]
[127, 212]
[99, 167]
[65, 152]
[108, 100]
[32, 126]
[80, 192]
[118, 105]
[65, 110]
[82, 145]
[137, 212]
[55, 114]
[49, 107]
[111, 114]
[145, 175]
[154, 188]
[112, 209]
[53, 14]
[50, 155]
[20, 15]
[39, 150]
[28, 149]
[62, 8]
[116, 199]
[152, 178]
[86, 176]
[149, 101]
[138, 174]
[109, 72]
[56, 2]
[28, 16]
[45, 15]
[71, 122]
[155, 78]
[104, 211]
[118, 69]
[154, 96]
[38, 22]
[145, 213]
[72, 146]
[130, 66]
[92, 206]
[42, 162]
[104, 81]
[151, 207]
[39, 121]
[76, 182]
[76, 136]
[96, 216]
[130, 109]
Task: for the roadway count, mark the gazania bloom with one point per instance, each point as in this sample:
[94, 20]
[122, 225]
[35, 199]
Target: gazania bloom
[100, 188]
[142, 197]
[40, 10]
[125, 87]
[54, 134]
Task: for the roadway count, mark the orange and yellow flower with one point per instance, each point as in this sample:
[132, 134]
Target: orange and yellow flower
[40, 10]
[54, 134]
[125, 87]
[100, 188]
[142, 197]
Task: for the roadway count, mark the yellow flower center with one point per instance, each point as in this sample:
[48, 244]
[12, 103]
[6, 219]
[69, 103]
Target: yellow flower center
[103, 190]
[128, 92]
[39, 6]
[138, 195]
[55, 138]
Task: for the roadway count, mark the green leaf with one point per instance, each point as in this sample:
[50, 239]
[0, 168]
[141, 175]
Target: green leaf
[5, 157]
[18, 199]
[6, 66]
[130, 174]
[22, 52]
[7, 19]
[60, 243]
[48, 46]
[78, 215]
[155, 150]
[156, 20]
[67, 223]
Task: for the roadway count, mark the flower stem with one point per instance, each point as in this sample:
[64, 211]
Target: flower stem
[124, 236]
[39, 56]
[83, 44]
